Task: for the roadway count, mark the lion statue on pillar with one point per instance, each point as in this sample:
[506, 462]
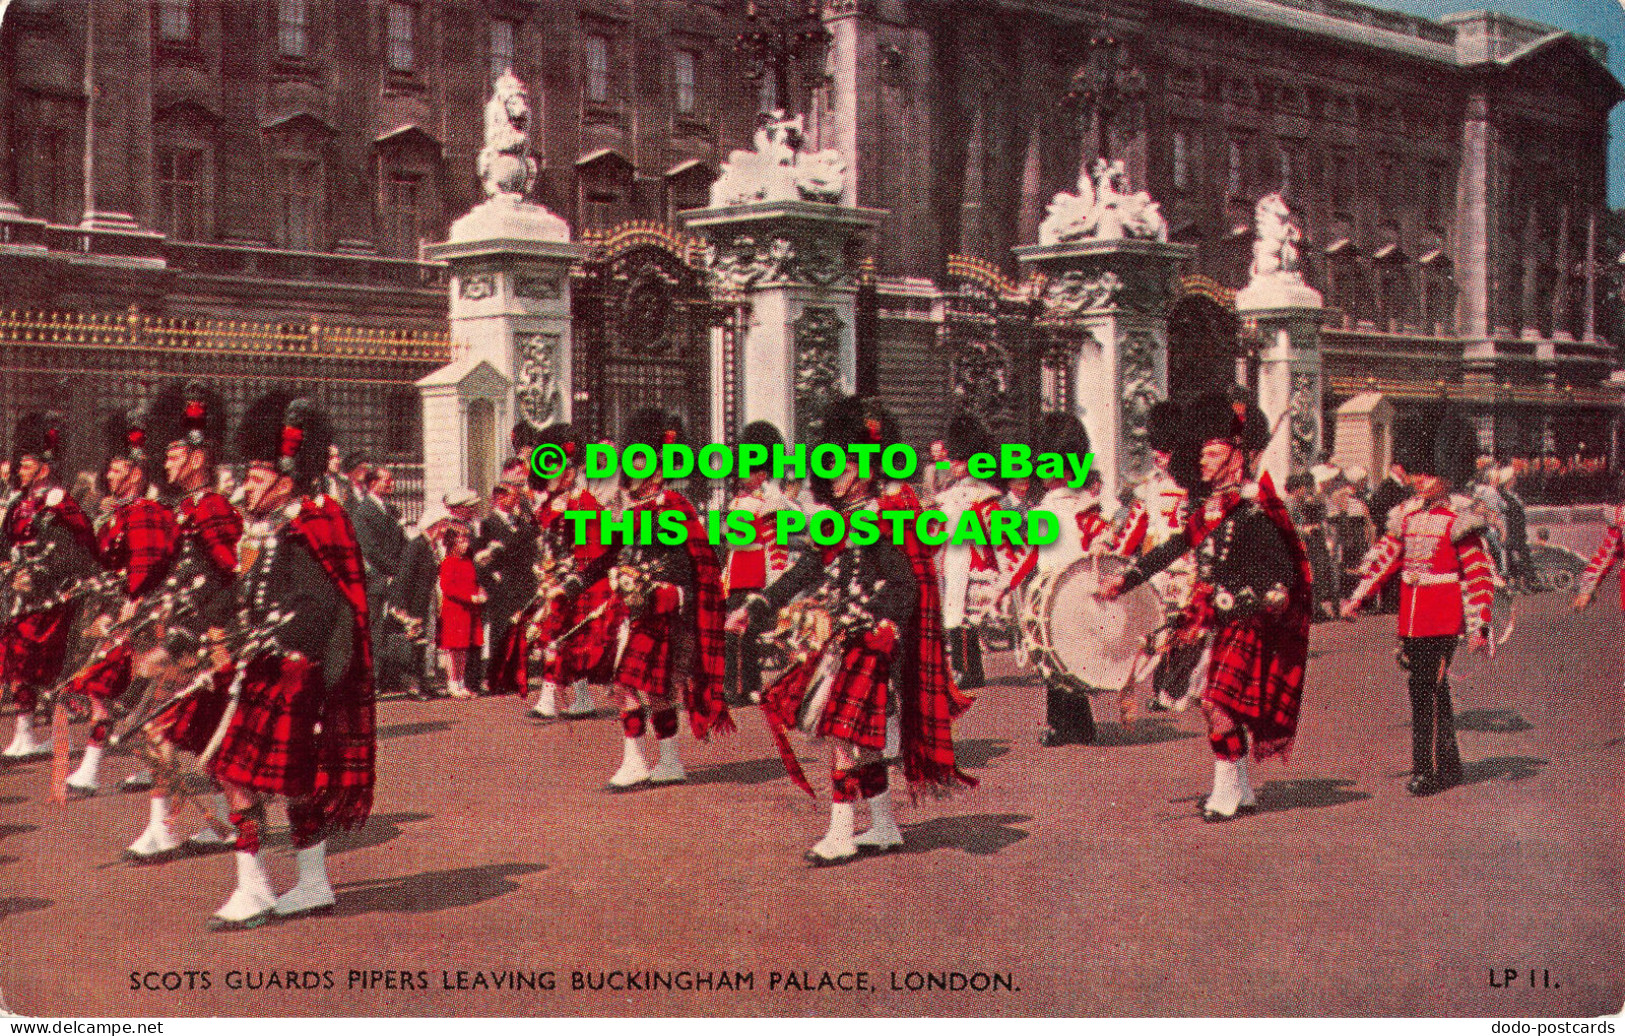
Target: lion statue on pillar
[505, 165]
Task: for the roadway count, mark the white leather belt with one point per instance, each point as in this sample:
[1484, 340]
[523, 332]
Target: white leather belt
[1430, 578]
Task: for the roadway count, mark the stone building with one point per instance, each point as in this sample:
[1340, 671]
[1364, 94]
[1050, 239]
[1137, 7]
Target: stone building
[242, 188]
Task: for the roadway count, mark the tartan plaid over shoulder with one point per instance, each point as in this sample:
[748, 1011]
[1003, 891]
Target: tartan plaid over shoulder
[348, 746]
[930, 702]
[141, 542]
[217, 526]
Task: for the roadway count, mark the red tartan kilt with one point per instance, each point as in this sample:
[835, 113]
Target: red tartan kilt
[590, 654]
[108, 679]
[856, 709]
[271, 744]
[645, 663]
[1256, 674]
[32, 649]
[189, 723]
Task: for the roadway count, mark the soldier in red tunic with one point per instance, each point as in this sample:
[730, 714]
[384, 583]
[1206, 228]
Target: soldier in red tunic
[572, 623]
[1250, 605]
[301, 722]
[1435, 544]
[1608, 554]
[139, 544]
[188, 424]
[51, 546]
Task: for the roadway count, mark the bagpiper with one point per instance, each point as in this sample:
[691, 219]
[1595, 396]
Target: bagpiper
[1435, 545]
[1251, 601]
[572, 627]
[300, 722]
[672, 650]
[754, 566]
[1157, 513]
[966, 437]
[189, 425]
[51, 547]
[883, 648]
[139, 545]
[1068, 717]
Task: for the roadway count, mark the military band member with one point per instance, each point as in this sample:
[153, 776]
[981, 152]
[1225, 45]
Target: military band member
[139, 543]
[755, 566]
[188, 424]
[1435, 544]
[302, 722]
[51, 545]
[673, 650]
[1157, 513]
[1251, 601]
[1068, 717]
[892, 648]
[1607, 555]
[966, 438]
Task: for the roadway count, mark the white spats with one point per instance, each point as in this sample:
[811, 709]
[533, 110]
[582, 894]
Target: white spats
[1248, 800]
[582, 706]
[547, 706]
[85, 780]
[894, 737]
[837, 845]
[634, 771]
[157, 841]
[1226, 797]
[311, 893]
[669, 770]
[883, 835]
[251, 902]
[23, 745]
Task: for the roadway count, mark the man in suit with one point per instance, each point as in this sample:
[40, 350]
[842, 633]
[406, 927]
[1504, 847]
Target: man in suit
[505, 556]
[378, 532]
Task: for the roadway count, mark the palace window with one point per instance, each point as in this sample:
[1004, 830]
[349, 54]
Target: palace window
[402, 37]
[293, 28]
[1182, 161]
[181, 194]
[685, 64]
[402, 207]
[597, 68]
[299, 204]
[1236, 156]
[767, 95]
[177, 22]
[503, 34]
[1284, 171]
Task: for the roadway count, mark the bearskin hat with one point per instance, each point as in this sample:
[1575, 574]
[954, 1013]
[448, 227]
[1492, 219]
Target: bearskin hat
[1435, 439]
[761, 433]
[40, 435]
[191, 413]
[525, 437]
[1061, 433]
[849, 421]
[966, 436]
[651, 426]
[125, 436]
[564, 435]
[289, 432]
[1164, 427]
[1236, 421]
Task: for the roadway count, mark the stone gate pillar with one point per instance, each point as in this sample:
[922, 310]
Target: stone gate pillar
[780, 238]
[510, 265]
[1286, 314]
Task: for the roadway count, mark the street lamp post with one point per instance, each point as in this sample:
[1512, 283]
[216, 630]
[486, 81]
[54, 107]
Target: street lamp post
[772, 45]
[1103, 86]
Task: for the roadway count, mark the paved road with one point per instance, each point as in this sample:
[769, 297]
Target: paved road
[1074, 881]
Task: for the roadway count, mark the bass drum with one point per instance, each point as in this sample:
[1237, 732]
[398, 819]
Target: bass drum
[1080, 641]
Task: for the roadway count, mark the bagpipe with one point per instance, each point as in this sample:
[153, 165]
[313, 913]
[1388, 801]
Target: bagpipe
[26, 568]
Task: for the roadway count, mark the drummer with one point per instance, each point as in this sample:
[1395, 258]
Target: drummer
[1069, 720]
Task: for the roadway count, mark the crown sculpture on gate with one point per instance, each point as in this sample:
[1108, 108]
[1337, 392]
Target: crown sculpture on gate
[779, 169]
[1102, 210]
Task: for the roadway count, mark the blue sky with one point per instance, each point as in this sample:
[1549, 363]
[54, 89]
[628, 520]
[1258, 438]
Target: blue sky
[1604, 19]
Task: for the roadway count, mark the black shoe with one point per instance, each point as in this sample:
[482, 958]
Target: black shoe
[1052, 738]
[1430, 784]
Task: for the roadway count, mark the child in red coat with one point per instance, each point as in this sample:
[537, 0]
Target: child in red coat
[461, 626]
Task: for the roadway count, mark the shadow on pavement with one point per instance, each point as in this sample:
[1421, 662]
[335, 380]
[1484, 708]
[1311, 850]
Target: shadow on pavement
[1492, 721]
[979, 752]
[980, 834]
[1148, 730]
[413, 729]
[7, 830]
[431, 891]
[1502, 768]
[21, 904]
[1307, 793]
[379, 828]
[745, 771]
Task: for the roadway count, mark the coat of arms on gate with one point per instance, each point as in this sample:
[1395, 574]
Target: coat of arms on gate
[536, 387]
